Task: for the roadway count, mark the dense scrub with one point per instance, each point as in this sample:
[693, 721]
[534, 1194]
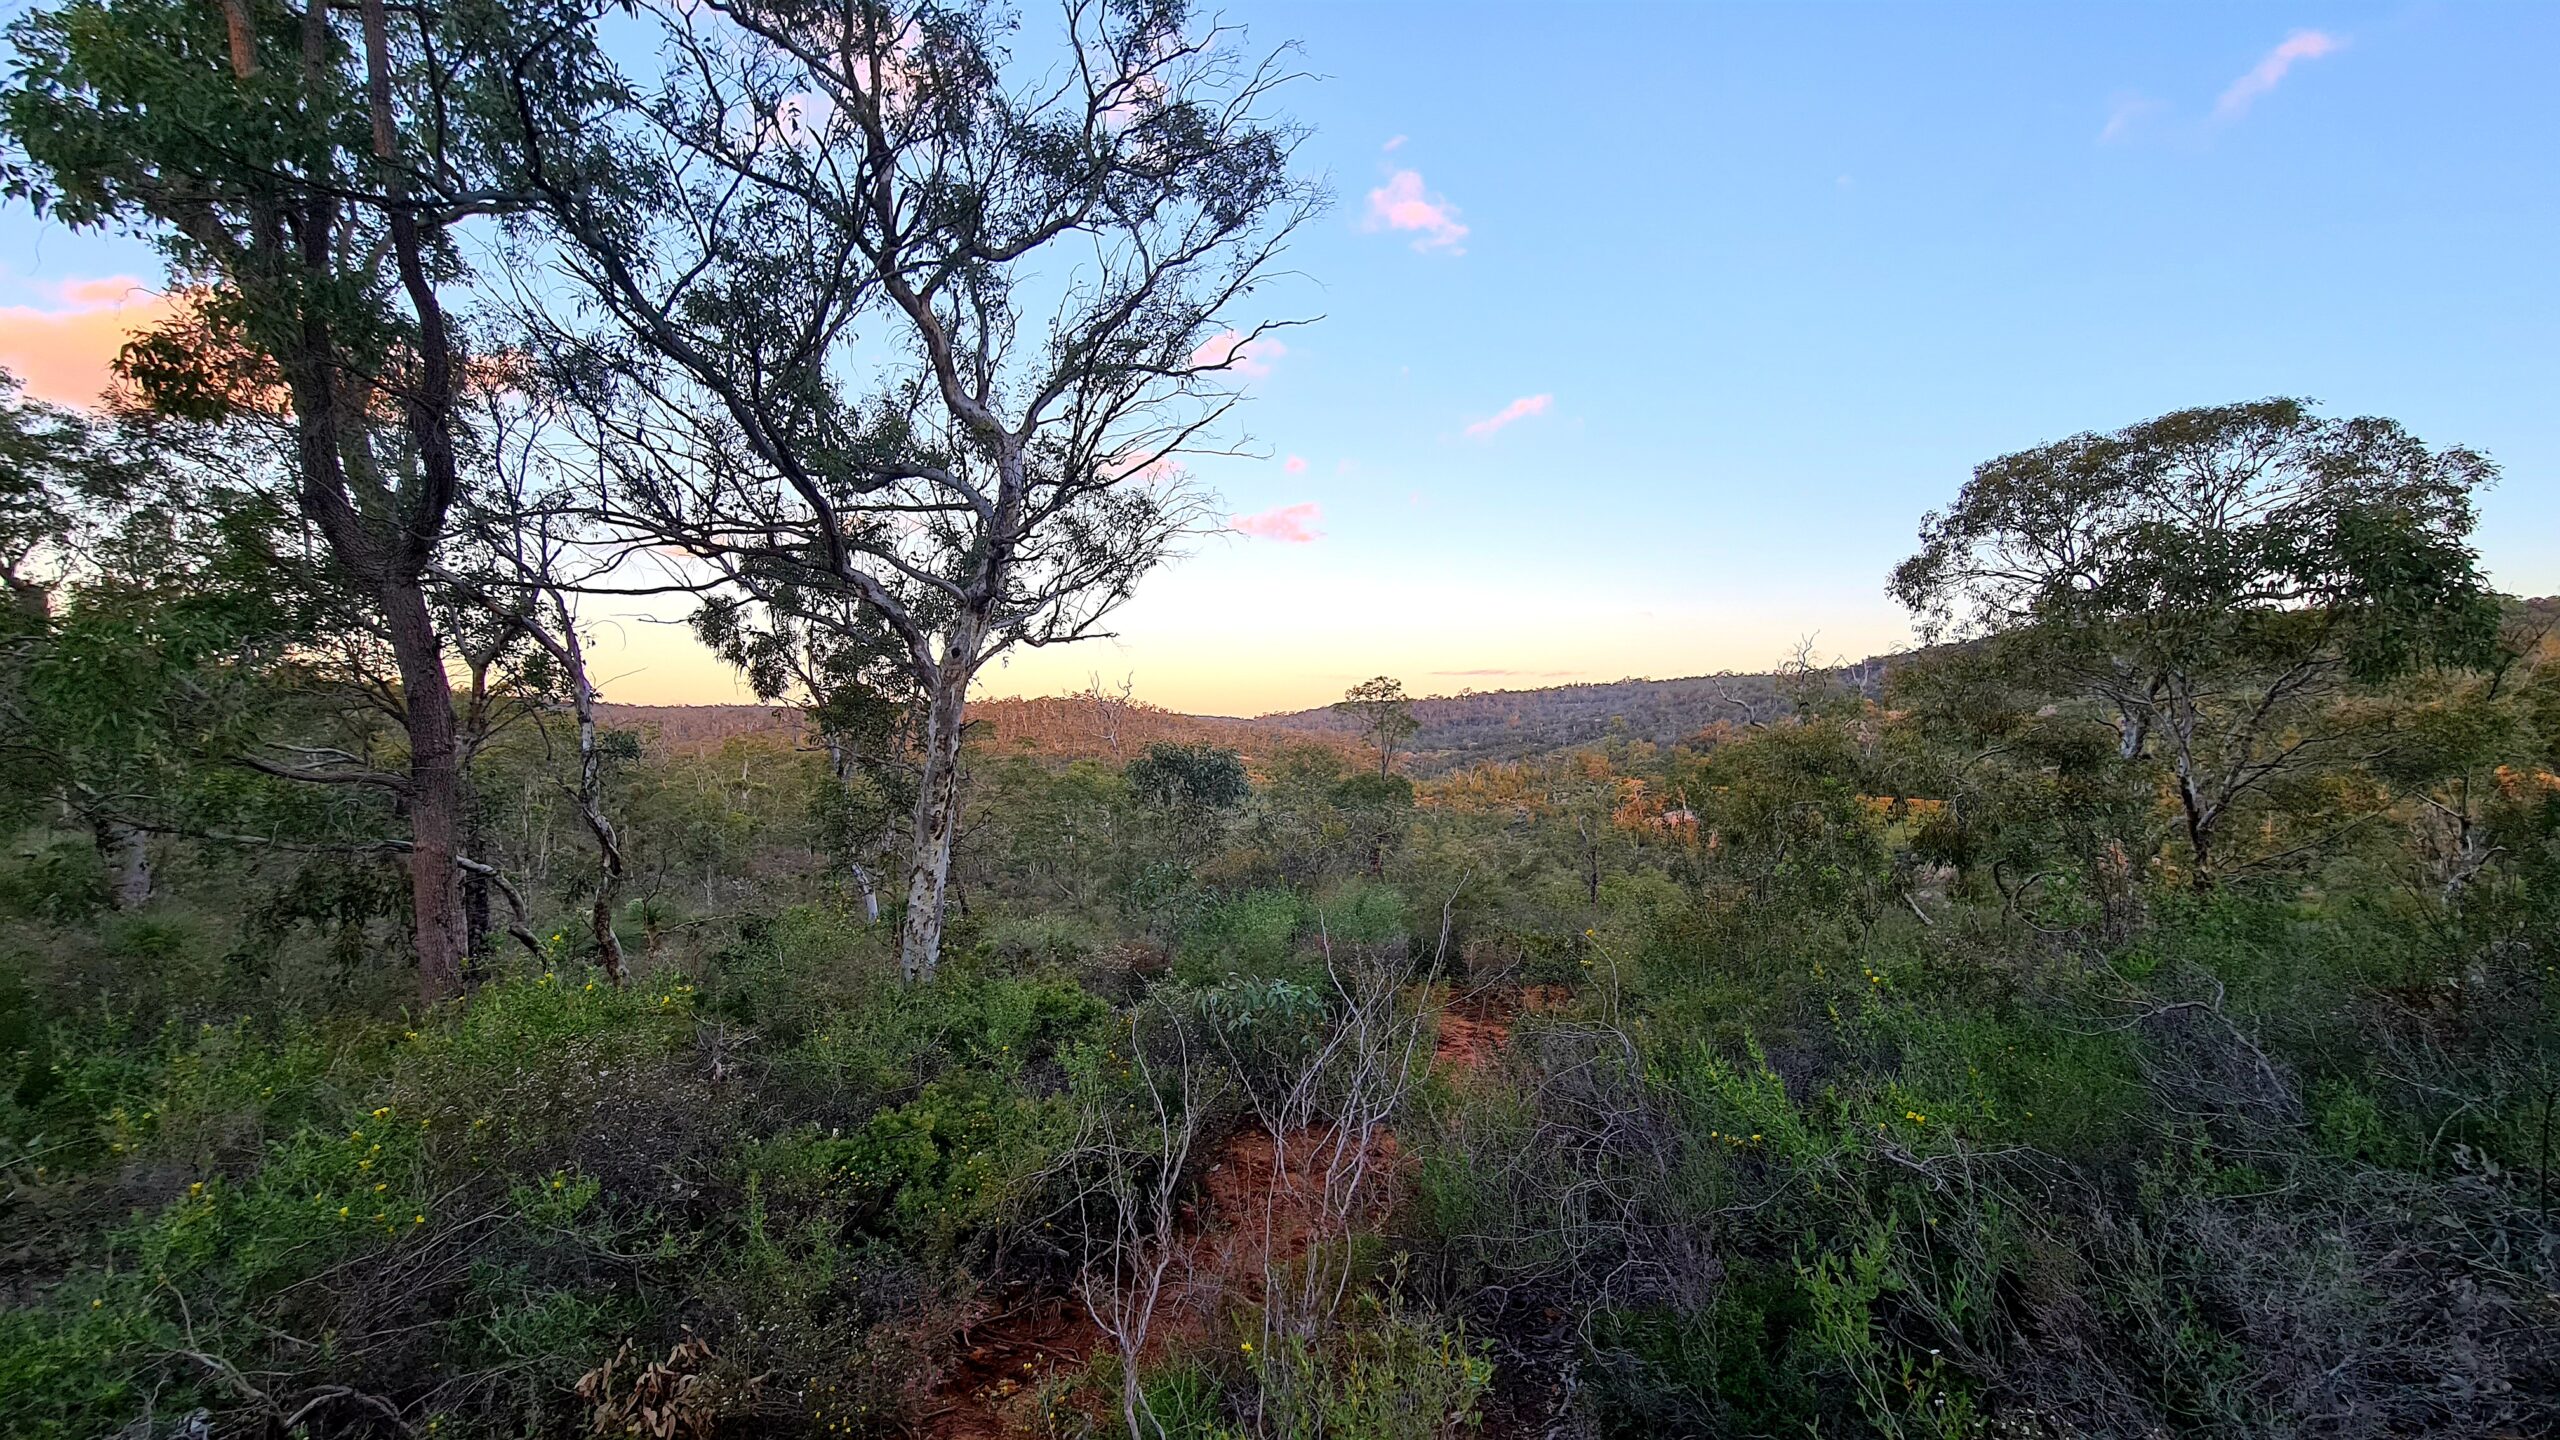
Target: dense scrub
[1841, 1076]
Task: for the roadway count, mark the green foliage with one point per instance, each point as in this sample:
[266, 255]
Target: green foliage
[1198, 778]
[1383, 1373]
[1254, 934]
[1868, 1071]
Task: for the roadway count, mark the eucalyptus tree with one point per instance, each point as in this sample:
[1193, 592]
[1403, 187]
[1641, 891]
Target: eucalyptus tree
[306, 170]
[882, 316]
[528, 559]
[1384, 715]
[58, 470]
[2215, 580]
[160, 639]
[846, 669]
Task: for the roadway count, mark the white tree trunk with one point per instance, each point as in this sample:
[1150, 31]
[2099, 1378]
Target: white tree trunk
[128, 855]
[938, 803]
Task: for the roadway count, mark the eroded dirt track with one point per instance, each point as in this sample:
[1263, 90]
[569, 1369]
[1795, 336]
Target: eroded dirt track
[1261, 1205]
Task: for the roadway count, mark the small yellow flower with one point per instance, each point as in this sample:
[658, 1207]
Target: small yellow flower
[342, 1212]
[417, 1219]
[97, 1304]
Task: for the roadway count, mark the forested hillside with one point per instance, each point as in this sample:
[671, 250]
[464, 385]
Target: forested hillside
[1476, 726]
[1071, 727]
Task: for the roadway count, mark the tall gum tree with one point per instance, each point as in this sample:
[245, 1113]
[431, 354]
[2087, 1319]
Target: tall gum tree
[304, 170]
[873, 309]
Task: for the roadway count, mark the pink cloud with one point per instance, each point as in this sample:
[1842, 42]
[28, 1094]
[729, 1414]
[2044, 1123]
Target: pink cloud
[63, 352]
[1230, 349]
[2270, 71]
[1295, 464]
[1517, 410]
[1150, 472]
[1393, 145]
[1401, 204]
[1288, 524]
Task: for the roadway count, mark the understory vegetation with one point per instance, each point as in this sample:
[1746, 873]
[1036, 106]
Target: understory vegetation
[1840, 1075]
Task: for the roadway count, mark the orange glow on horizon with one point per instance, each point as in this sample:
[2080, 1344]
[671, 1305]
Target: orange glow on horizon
[64, 353]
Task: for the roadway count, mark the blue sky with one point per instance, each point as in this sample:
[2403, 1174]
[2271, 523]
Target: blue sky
[1783, 274]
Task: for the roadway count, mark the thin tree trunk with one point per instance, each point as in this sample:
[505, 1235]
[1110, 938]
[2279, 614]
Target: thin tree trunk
[937, 805]
[435, 793]
[571, 653]
[841, 764]
[476, 927]
[591, 808]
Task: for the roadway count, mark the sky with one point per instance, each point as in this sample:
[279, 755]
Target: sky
[1644, 335]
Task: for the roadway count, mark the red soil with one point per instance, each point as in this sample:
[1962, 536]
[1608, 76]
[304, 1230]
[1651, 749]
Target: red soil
[1475, 1026]
[1255, 1215]
[991, 1388]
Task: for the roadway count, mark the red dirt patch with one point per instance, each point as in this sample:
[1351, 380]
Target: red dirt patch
[1262, 1206]
[991, 1389]
[1263, 1215]
[1254, 1214]
[1475, 1026]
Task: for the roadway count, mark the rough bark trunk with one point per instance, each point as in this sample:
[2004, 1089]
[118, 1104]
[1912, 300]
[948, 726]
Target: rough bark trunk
[2200, 848]
[937, 806]
[242, 31]
[435, 793]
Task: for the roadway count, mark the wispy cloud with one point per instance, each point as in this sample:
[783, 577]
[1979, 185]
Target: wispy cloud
[1288, 524]
[1394, 144]
[1295, 464]
[2123, 114]
[2270, 71]
[1403, 204]
[63, 351]
[1250, 358]
[1511, 414]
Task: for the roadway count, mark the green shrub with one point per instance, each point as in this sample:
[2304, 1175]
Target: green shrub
[1254, 934]
[1383, 1373]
